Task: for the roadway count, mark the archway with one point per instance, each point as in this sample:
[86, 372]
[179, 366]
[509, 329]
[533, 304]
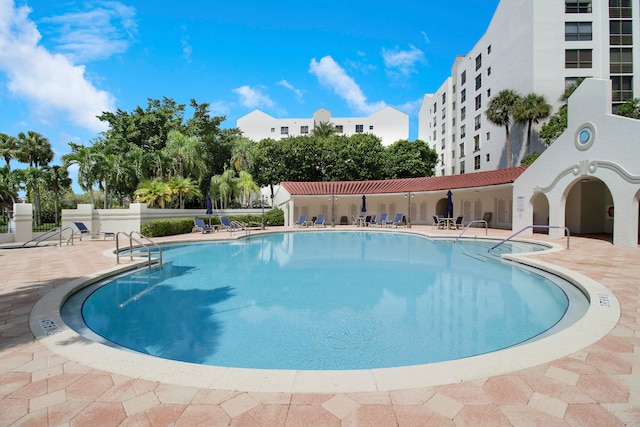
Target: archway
[441, 207]
[589, 209]
[540, 205]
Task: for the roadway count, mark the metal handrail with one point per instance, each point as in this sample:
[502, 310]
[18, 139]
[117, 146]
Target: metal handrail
[133, 239]
[477, 221]
[548, 227]
[48, 234]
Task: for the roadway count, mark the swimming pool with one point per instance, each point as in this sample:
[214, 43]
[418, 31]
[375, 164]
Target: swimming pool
[327, 301]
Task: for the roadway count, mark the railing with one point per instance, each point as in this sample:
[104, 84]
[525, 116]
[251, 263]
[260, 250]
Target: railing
[49, 234]
[132, 239]
[477, 221]
[548, 227]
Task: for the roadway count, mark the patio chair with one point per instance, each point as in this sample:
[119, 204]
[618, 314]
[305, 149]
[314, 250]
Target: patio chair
[199, 225]
[458, 224]
[302, 222]
[439, 221]
[226, 224]
[82, 229]
[319, 222]
[380, 222]
[374, 220]
[396, 221]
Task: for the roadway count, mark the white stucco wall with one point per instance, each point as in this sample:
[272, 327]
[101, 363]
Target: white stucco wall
[583, 180]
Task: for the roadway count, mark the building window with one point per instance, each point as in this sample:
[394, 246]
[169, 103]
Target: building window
[463, 113]
[371, 127]
[304, 130]
[462, 149]
[339, 128]
[489, 93]
[578, 58]
[462, 131]
[478, 102]
[434, 135]
[476, 163]
[488, 157]
[273, 130]
[462, 167]
[477, 122]
[489, 71]
[619, 8]
[488, 136]
[453, 154]
[577, 6]
[444, 129]
[284, 130]
[444, 98]
[359, 128]
[478, 62]
[622, 88]
[478, 81]
[463, 95]
[476, 143]
[453, 170]
[442, 159]
[463, 77]
[620, 33]
[621, 60]
[578, 31]
[442, 145]
[489, 50]
[444, 113]
[453, 137]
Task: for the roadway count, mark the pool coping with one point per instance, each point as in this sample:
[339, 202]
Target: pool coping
[601, 317]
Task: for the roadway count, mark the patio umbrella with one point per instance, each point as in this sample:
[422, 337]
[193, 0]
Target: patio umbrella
[209, 205]
[449, 204]
[364, 203]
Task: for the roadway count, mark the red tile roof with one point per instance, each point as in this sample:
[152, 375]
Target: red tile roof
[433, 183]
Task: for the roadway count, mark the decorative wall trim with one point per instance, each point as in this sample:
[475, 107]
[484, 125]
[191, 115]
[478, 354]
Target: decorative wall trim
[588, 167]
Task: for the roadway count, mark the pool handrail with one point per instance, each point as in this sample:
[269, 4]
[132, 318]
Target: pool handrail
[50, 233]
[548, 227]
[141, 244]
[476, 221]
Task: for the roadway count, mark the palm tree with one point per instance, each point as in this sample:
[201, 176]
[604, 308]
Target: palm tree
[324, 129]
[531, 109]
[499, 112]
[246, 186]
[631, 109]
[34, 149]
[8, 147]
[57, 179]
[187, 152]
[86, 158]
[241, 158]
[154, 192]
[222, 187]
[184, 188]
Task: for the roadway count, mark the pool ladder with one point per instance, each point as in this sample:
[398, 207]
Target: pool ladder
[49, 234]
[147, 246]
[547, 227]
[477, 221]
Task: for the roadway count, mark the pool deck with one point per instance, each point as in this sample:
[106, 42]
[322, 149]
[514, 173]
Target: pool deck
[594, 386]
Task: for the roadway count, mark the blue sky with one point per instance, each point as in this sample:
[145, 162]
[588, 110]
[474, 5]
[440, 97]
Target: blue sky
[64, 62]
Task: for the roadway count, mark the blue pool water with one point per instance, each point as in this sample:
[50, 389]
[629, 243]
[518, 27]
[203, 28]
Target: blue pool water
[325, 301]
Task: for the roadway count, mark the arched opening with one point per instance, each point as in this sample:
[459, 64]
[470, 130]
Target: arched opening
[540, 205]
[589, 209]
[441, 207]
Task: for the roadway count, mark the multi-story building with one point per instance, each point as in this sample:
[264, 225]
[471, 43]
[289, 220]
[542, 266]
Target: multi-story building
[389, 124]
[530, 46]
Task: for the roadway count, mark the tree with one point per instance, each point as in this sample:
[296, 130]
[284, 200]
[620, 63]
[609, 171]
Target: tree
[86, 158]
[531, 109]
[223, 187]
[34, 149]
[409, 159]
[8, 147]
[57, 180]
[631, 109]
[154, 192]
[185, 188]
[499, 112]
[241, 154]
[186, 152]
[246, 186]
[324, 130]
[558, 122]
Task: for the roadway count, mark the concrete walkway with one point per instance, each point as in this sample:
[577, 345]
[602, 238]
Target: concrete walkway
[596, 386]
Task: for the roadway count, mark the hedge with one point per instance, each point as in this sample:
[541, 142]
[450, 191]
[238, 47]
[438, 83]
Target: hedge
[171, 227]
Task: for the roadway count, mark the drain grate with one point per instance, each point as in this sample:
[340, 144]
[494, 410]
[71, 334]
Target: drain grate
[49, 327]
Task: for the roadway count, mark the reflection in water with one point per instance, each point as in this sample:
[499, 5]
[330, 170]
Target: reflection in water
[350, 300]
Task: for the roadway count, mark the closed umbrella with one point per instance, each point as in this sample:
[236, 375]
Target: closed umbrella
[364, 204]
[209, 206]
[449, 204]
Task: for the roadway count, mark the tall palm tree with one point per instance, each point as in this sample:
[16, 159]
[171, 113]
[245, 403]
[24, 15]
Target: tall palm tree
[86, 158]
[8, 147]
[531, 109]
[241, 158]
[324, 129]
[34, 149]
[57, 180]
[222, 187]
[154, 192]
[499, 112]
[187, 152]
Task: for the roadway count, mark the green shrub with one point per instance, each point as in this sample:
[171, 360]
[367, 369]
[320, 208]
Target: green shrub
[167, 227]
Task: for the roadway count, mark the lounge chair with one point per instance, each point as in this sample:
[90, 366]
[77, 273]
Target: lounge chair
[487, 217]
[302, 222]
[199, 225]
[373, 220]
[82, 229]
[396, 221]
[380, 222]
[458, 224]
[367, 220]
[319, 222]
[225, 224]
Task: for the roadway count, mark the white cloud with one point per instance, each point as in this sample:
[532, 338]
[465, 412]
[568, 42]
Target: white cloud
[48, 82]
[401, 63]
[106, 29]
[410, 107]
[253, 97]
[289, 86]
[332, 75]
[186, 48]
[426, 37]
